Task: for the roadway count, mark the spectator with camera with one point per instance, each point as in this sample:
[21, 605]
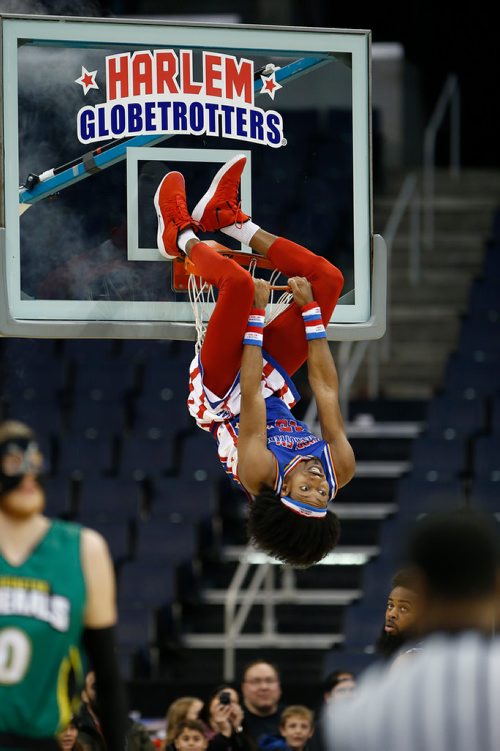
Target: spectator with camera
[223, 716]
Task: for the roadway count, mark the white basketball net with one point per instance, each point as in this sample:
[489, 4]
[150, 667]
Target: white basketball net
[202, 295]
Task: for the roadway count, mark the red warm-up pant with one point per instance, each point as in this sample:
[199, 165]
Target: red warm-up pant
[284, 337]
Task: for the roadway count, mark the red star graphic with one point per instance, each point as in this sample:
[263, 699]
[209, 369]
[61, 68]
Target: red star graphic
[270, 84]
[87, 80]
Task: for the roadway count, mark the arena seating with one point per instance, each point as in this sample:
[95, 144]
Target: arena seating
[449, 416]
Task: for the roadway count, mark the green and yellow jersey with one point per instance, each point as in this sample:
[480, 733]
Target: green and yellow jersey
[41, 622]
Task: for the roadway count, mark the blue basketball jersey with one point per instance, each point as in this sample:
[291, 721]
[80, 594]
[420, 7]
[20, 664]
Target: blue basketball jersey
[291, 442]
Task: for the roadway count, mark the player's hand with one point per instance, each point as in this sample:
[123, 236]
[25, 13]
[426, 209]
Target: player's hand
[301, 290]
[262, 293]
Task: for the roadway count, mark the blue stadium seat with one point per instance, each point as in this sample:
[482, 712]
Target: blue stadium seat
[485, 496]
[199, 460]
[45, 417]
[144, 455]
[109, 498]
[363, 624]
[93, 380]
[451, 417]
[177, 500]
[419, 496]
[165, 380]
[151, 412]
[145, 584]
[495, 416]
[478, 334]
[40, 381]
[491, 264]
[90, 418]
[140, 351]
[485, 297]
[495, 230]
[116, 533]
[79, 455]
[377, 577]
[135, 627]
[466, 377]
[438, 458]
[84, 351]
[30, 352]
[354, 660]
[58, 496]
[486, 461]
[165, 541]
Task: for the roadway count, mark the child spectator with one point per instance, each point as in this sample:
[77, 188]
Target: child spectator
[297, 726]
[184, 708]
[190, 736]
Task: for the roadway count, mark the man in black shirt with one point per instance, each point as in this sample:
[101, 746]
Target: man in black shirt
[261, 690]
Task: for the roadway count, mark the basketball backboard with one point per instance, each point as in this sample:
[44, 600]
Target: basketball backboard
[95, 112]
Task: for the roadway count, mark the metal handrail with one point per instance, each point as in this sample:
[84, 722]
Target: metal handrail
[450, 96]
[408, 199]
[351, 358]
[235, 620]
[351, 355]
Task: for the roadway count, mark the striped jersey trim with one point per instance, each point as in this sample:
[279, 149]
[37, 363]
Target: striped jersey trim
[304, 509]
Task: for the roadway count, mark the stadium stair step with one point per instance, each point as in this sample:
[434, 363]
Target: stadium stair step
[430, 311]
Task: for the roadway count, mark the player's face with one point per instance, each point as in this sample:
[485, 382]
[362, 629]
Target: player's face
[191, 740]
[401, 611]
[25, 500]
[296, 731]
[307, 483]
[21, 466]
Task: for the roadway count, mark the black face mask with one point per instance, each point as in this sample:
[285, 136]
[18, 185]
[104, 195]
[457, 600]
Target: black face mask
[19, 457]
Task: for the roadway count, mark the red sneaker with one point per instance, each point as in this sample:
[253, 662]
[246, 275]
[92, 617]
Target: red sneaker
[173, 214]
[220, 206]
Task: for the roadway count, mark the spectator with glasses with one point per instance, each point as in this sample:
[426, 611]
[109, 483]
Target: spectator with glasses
[261, 691]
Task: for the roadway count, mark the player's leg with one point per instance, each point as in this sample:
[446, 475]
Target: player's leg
[223, 343]
[219, 209]
[222, 347]
[284, 337]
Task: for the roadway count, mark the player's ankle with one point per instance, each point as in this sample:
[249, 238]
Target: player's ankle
[185, 238]
[242, 232]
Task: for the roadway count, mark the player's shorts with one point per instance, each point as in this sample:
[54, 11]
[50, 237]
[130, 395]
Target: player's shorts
[216, 414]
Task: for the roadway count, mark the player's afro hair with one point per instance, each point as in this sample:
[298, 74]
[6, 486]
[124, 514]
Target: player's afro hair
[296, 540]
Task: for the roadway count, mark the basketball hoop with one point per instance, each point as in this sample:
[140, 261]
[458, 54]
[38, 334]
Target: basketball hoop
[185, 278]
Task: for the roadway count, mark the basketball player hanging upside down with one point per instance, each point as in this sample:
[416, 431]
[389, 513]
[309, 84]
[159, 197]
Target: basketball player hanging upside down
[240, 384]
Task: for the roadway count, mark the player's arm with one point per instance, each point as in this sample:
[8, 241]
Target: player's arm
[99, 638]
[256, 464]
[323, 379]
